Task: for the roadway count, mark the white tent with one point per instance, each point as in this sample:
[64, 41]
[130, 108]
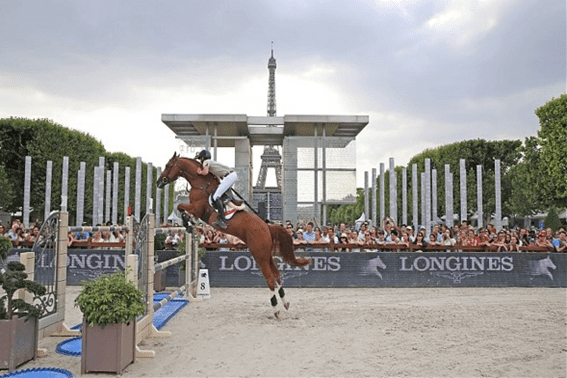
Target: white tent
[359, 221]
[174, 218]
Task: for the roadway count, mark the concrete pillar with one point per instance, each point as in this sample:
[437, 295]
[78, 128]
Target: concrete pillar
[48, 179]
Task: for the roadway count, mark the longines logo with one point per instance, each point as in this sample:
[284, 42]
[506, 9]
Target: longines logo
[457, 263]
[245, 263]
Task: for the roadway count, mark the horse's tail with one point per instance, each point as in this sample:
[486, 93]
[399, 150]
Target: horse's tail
[283, 243]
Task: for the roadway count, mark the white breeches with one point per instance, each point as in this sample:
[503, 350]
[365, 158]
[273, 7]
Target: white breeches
[225, 184]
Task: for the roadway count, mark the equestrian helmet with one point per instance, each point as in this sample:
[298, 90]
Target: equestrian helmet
[203, 154]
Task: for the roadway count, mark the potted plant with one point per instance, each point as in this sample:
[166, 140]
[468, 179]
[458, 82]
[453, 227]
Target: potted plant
[110, 305]
[18, 319]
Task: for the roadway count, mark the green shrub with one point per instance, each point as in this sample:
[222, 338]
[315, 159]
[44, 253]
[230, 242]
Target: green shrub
[110, 299]
[13, 279]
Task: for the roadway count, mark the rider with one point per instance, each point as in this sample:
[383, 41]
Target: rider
[227, 177]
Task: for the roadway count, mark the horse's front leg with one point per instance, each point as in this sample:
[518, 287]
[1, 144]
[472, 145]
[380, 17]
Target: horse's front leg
[186, 211]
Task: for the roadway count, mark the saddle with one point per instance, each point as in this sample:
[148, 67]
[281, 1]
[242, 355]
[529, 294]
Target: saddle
[231, 205]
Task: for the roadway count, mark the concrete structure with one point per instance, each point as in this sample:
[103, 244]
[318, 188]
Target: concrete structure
[293, 132]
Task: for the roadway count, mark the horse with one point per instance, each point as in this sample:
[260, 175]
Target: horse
[263, 240]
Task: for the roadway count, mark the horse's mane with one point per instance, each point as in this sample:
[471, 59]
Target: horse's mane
[193, 163]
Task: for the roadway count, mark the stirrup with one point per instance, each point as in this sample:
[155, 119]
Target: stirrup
[220, 223]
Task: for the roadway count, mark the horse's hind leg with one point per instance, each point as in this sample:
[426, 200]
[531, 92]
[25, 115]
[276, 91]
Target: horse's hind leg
[273, 279]
[279, 287]
[281, 293]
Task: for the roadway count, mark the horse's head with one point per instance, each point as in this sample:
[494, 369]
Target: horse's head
[178, 166]
[171, 172]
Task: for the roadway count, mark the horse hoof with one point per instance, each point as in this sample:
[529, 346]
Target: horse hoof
[286, 305]
[277, 314]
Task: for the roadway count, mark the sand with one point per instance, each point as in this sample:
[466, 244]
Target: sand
[466, 332]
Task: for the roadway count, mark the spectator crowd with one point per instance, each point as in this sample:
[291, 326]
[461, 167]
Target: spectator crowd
[342, 238]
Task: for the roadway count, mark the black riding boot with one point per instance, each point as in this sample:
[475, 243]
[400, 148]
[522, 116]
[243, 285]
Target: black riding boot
[219, 206]
[187, 222]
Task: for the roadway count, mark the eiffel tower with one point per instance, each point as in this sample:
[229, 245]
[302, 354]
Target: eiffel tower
[271, 157]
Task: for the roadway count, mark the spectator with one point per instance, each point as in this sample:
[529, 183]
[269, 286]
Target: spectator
[318, 239]
[368, 241]
[222, 239]
[420, 242]
[363, 230]
[342, 230]
[97, 238]
[353, 239]
[209, 237]
[3, 230]
[33, 235]
[395, 240]
[70, 238]
[13, 232]
[411, 236]
[446, 239]
[499, 244]
[309, 235]
[291, 233]
[561, 241]
[116, 237]
[83, 235]
[299, 240]
[325, 234]
[513, 246]
[343, 241]
[532, 237]
[381, 239]
[483, 238]
[471, 240]
[523, 237]
[332, 237]
[373, 233]
[543, 242]
[432, 241]
[235, 241]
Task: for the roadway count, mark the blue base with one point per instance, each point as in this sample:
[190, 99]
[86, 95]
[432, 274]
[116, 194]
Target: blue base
[73, 347]
[39, 373]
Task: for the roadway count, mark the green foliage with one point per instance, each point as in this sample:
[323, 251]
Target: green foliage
[7, 190]
[159, 242]
[45, 141]
[5, 247]
[551, 220]
[347, 213]
[13, 279]
[552, 138]
[110, 299]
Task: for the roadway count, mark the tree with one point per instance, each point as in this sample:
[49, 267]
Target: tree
[44, 141]
[551, 220]
[6, 185]
[540, 178]
[552, 137]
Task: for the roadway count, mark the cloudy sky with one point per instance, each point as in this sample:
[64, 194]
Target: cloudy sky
[427, 73]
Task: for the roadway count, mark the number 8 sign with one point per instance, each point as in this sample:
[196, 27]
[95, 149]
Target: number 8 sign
[203, 288]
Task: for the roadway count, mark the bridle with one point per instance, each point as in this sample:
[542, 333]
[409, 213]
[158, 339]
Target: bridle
[165, 180]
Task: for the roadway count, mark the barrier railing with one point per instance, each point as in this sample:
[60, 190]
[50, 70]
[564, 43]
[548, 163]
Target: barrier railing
[381, 247]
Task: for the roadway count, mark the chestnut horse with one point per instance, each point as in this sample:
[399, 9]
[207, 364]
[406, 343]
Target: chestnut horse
[264, 240]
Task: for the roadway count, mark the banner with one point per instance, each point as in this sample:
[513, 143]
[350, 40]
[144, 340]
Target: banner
[390, 269]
